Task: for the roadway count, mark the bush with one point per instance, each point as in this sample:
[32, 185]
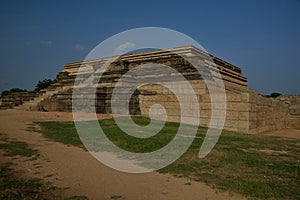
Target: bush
[17, 90]
[44, 84]
[273, 95]
[6, 92]
[39, 86]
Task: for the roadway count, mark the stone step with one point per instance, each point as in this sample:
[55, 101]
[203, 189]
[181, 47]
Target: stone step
[32, 104]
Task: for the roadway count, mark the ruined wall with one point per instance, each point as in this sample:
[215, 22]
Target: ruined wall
[292, 103]
[266, 114]
[246, 111]
[14, 99]
[61, 99]
[237, 110]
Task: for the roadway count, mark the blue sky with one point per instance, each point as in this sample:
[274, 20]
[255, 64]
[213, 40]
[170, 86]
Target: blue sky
[262, 37]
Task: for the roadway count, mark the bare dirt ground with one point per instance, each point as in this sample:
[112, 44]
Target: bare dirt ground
[79, 173]
[289, 133]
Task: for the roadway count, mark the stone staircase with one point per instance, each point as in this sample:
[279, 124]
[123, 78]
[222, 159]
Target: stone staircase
[32, 104]
[15, 99]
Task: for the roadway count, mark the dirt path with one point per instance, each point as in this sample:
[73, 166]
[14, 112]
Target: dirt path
[75, 169]
[288, 133]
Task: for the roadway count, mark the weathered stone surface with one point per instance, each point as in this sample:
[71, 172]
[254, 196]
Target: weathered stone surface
[18, 98]
[246, 111]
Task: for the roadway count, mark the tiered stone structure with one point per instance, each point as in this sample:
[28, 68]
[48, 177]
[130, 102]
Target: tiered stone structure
[15, 99]
[246, 111]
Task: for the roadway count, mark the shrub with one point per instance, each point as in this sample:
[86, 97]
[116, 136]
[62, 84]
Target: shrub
[273, 95]
[6, 92]
[44, 84]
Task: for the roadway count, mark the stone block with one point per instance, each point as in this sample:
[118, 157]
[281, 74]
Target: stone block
[233, 98]
[244, 116]
[205, 106]
[238, 106]
[233, 115]
[230, 124]
[294, 109]
[205, 113]
[205, 98]
[243, 130]
[173, 118]
[200, 91]
[190, 120]
[243, 124]
[219, 106]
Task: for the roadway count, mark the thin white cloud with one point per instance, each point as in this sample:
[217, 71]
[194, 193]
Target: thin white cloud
[79, 47]
[46, 43]
[121, 49]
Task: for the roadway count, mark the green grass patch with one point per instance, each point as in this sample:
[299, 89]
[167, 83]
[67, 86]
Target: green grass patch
[138, 145]
[63, 132]
[116, 197]
[253, 165]
[16, 148]
[14, 187]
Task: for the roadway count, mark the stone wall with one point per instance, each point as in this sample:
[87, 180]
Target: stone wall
[237, 110]
[14, 99]
[292, 103]
[246, 111]
[61, 100]
[266, 114]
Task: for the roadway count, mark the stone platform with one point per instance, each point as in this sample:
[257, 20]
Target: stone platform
[246, 111]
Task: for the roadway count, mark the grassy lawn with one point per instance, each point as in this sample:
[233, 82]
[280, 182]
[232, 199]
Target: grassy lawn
[255, 166]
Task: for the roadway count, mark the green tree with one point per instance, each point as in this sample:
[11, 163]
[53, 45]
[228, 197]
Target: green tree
[44, 84]
[273, 95]
[4, 92]
[12, 90]
[17, 90]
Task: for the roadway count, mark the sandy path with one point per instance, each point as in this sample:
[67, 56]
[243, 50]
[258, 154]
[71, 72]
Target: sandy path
[73, 168]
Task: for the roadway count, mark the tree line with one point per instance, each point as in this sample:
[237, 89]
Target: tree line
[39, 86]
